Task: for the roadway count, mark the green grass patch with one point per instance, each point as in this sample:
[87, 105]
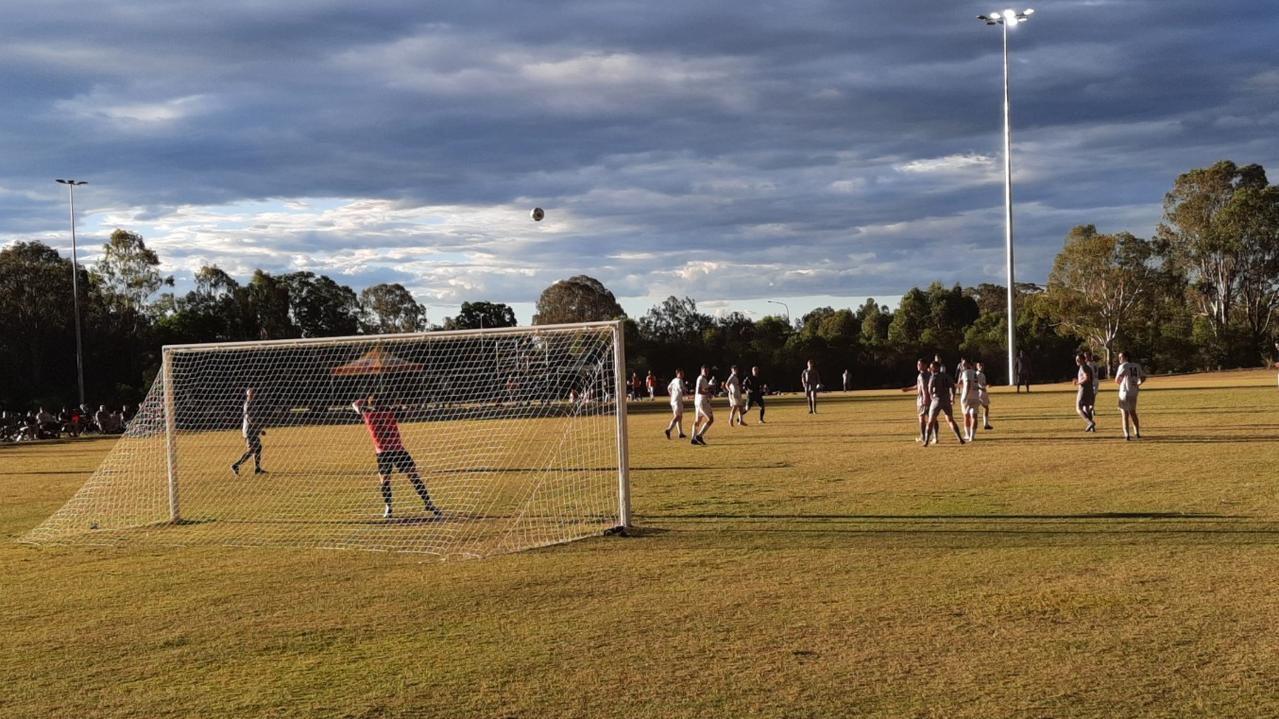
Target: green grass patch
[814, 566]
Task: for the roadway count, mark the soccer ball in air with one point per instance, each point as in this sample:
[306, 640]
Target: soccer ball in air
[537, 214]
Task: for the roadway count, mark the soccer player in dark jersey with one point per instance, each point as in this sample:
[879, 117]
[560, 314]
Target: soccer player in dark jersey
[1021, 371]
[755, 388]
[251, 429]
[941, 393]
[1085, 398]
[390, 451]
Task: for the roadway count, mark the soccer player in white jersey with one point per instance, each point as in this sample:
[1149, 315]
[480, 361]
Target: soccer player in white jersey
[736, 407]
[252, 431]
[968, 397]
[811, 380]
[983, 396]
[676, 390]
[1130, 378]
[702, 395]
[922, 400]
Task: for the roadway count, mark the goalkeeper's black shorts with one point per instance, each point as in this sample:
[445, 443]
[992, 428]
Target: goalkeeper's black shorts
[395, 459]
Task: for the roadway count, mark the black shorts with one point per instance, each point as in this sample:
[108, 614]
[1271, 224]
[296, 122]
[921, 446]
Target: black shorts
[395, 459]
[254, 442]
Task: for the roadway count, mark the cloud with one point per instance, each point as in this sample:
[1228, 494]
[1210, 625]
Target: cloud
[709, 150]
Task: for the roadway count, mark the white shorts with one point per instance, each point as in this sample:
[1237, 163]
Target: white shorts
[703, 407]
[677, 407]
[1128, 401]
[734, 399]
[970, 403]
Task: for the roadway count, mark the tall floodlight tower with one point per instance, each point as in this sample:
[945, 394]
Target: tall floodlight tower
[1006, 19]
[75, 288]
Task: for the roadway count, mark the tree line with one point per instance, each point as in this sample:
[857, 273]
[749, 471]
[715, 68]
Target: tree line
[1199, 293]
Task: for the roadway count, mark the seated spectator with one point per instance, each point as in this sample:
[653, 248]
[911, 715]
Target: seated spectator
[47, 425]
[8, 426]
[102, 419]
[118, 424]
[30, 428]
[79, 418]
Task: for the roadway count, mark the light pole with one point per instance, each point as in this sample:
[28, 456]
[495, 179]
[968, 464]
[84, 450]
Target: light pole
[1006, 19]
[784, 306]
[75, 289]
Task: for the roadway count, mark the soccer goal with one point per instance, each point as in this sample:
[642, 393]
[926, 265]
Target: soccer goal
[455, 444]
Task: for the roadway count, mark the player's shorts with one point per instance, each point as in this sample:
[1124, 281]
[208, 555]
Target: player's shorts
[734, 399]
[938, 406]
[1128, 401]
[970, 403]
[254, 442]
[677, 407]
[984, 399]
[395, 459]
[921, 407]
[703, 407]
[1085, 398]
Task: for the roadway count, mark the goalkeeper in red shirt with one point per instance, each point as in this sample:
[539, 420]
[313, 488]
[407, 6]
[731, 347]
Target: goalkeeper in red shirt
[390, 451]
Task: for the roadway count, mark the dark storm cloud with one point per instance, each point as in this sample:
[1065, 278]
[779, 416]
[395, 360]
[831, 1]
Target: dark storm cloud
[719, 149]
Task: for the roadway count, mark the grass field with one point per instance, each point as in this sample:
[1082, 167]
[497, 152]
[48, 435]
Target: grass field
[820, 566]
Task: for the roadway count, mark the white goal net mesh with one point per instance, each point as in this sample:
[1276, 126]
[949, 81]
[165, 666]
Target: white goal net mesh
[493, 441]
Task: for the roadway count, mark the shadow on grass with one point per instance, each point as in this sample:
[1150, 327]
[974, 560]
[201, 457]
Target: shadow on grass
[1092, 516]
[967, 531]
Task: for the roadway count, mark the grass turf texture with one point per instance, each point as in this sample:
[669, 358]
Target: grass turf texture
[813, 566]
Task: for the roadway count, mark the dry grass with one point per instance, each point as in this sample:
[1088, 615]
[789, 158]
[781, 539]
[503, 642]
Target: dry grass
[814, 566]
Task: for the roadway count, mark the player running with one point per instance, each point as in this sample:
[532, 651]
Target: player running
[755, 388]
[969, 397]
[390, 451]
[1085, 398]
[1130, 378]
[676, 390]
[983, 396]
[736, 407]
[702, 395]
[940, 392]
[251, 429]
[922, 400]
[811, 379]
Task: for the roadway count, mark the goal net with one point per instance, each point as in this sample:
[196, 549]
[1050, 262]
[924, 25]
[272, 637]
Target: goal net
[492, 441]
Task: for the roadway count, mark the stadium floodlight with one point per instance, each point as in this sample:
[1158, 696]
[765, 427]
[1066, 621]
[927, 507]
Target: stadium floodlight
[75, 288]
[785, 307]
[516, 435]
[1005, 19]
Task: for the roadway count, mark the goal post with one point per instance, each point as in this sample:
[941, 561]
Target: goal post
[454, 443]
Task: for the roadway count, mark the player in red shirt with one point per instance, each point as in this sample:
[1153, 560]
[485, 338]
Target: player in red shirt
[391, 455]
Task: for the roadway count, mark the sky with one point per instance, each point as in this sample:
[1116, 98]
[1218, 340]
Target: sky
[810, 153]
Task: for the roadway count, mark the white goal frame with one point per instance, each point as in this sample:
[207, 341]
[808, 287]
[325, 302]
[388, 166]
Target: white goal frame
[172, 461]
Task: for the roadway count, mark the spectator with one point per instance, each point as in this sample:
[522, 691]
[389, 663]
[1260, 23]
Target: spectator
[105, 421]
[46, 425]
